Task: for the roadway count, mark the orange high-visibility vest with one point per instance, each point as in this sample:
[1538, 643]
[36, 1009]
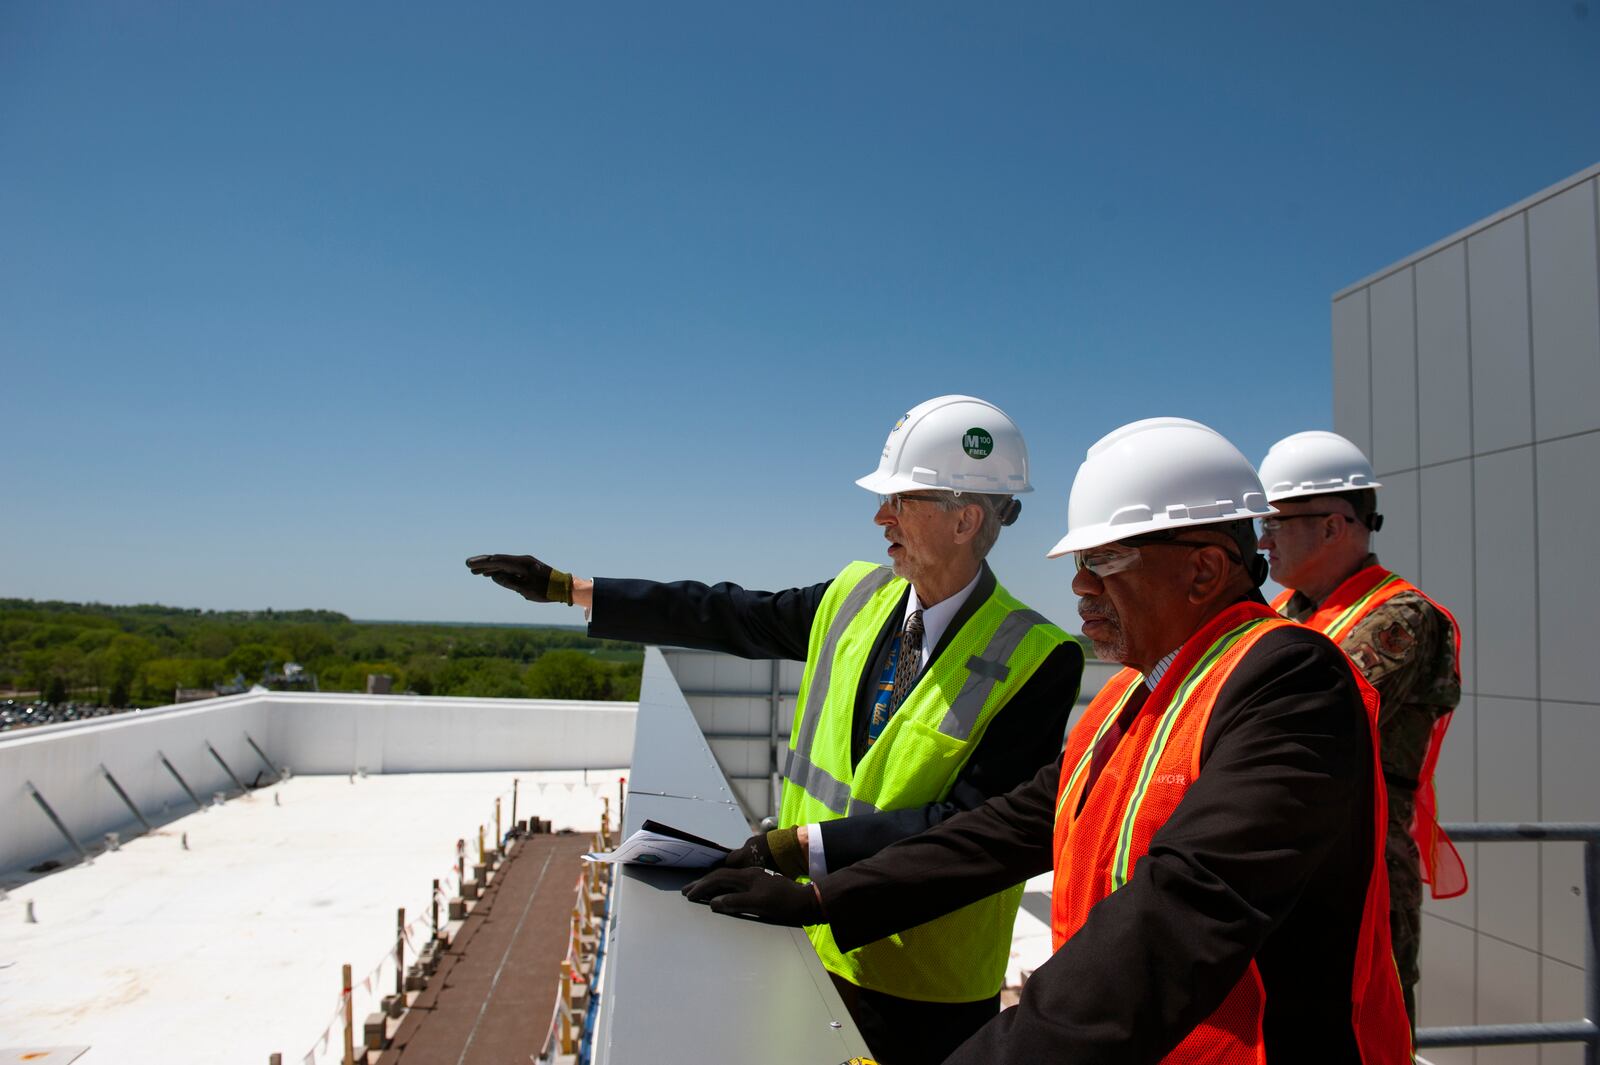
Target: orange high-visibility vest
[1152, 766]
[1337, 616]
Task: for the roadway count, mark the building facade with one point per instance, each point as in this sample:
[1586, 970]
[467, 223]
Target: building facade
[1470, 373]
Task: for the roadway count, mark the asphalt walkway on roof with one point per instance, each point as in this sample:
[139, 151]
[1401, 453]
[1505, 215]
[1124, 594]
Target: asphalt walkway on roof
[490, 1001]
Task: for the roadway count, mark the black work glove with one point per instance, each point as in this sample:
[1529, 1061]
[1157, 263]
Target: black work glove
[526, 576]
[757, 893]
[778, 850]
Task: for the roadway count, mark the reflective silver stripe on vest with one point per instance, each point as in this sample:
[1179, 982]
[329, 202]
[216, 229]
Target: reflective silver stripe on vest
[861, 806]
[817, 783]
[986, 670]
[817, 694]
[999, 671]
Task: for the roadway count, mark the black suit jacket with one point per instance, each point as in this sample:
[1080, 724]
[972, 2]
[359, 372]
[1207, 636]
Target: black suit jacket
[1025, 735]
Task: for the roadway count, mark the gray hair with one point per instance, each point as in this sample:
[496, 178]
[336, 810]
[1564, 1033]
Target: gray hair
[993, 507]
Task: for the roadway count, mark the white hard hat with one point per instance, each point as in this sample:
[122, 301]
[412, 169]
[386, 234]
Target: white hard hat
[1315, 463]
[955, 443]
[1154, 475]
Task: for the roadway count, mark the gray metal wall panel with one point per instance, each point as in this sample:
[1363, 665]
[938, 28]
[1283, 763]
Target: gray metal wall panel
[1561, 908]
[731, 695]
[757, 794]
[1508, 992]
[1506, 605]
[1566, 313]
[1508, 951]
[703, 670]
[1444, 378]
[1560, 999]
[1569, 790]
[694, 670]
[1352, 386]
[1508, 758]
[666, 724]
[1502, 372]
[1446, 564]
[1394, 374]
[1396, 545]
[740, 758]
[1449, 985]
[733, 713]
[1569, 580]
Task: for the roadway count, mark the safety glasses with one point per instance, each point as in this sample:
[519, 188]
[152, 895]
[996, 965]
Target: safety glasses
[1270, 526]
[1104, 561]
[899, 499]
[1120, 558]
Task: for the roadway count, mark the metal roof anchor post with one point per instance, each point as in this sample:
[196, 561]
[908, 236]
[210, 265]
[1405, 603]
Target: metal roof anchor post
[124, 796]
[181, 782]
[51, 814]
[232, 775]
[276, 771]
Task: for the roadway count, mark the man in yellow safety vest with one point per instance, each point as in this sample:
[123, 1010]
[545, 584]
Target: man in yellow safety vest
[928, 688]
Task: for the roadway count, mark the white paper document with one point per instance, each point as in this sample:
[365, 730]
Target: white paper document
[658, 844]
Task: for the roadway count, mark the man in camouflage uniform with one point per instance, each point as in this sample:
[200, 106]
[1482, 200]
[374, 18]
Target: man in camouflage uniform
[1318, 548]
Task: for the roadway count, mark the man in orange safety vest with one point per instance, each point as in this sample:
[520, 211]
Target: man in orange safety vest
[1407, 646]
[1216, 823]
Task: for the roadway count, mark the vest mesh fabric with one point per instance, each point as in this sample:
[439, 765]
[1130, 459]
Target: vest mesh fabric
[1359, 595]
[1141, 785]
[962, 956]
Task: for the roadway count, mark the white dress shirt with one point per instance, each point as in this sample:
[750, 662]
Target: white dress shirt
[935, 619]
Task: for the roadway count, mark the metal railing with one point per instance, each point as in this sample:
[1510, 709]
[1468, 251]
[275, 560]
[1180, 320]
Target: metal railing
[1585, 1031]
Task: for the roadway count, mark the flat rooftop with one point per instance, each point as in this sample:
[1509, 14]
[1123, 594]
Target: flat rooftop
[231, 949]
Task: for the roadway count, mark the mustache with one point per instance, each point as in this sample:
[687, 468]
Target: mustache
[1092, 607]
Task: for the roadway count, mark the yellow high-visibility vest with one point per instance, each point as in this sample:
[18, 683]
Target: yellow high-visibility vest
[960, 957]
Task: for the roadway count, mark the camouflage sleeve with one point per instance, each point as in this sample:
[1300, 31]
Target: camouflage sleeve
[1403, 649]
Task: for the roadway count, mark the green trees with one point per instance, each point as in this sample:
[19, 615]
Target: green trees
[137, 655]
[251, 660]
[120, 661]
[567, 675]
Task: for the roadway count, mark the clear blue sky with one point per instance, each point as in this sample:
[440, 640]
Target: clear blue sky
[302, 303]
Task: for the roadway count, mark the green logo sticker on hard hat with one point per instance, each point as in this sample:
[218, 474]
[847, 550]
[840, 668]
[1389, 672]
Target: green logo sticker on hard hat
[977, 443]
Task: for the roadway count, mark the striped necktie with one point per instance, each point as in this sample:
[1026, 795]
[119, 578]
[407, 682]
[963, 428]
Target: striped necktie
[909, 663]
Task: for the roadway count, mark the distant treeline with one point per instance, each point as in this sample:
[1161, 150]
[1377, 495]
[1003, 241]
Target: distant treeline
[139, 655]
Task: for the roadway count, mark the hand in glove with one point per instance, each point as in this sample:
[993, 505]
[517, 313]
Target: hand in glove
[758, 893]
[778, 850]
[526, 576]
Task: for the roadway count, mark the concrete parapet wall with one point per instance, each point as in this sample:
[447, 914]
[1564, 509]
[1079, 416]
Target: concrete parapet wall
[309, 732]
[335, 733]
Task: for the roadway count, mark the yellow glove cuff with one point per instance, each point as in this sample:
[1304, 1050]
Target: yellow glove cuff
[784, 843]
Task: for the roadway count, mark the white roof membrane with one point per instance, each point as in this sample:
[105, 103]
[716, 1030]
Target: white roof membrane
[231, 950]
